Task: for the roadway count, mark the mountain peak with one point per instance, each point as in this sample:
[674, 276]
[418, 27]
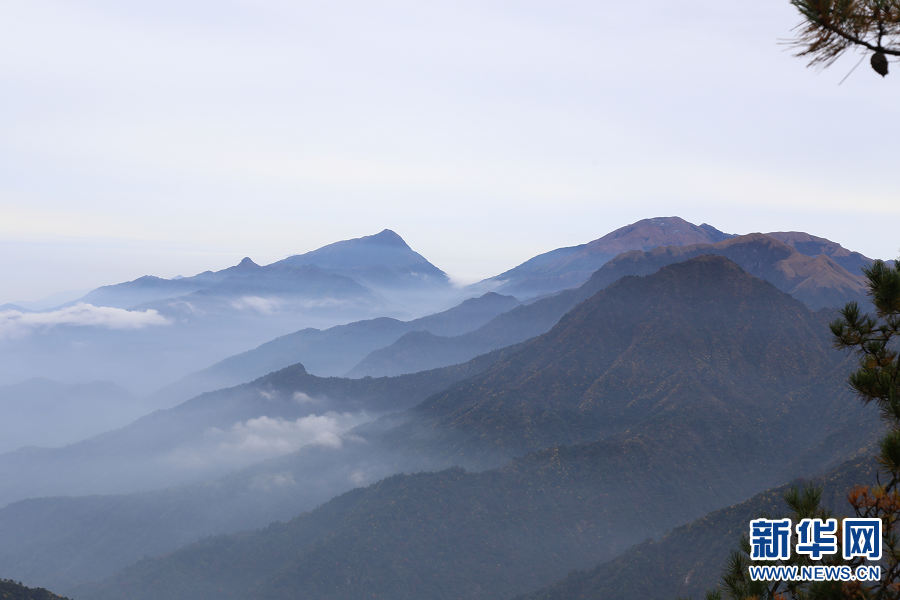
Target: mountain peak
[246, 262]
[387, 237]
[384, 259]
[569, 267]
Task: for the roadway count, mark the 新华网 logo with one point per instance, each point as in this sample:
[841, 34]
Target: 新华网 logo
[862, 537]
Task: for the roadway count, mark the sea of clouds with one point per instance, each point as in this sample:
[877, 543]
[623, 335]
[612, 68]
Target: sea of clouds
[16, 324]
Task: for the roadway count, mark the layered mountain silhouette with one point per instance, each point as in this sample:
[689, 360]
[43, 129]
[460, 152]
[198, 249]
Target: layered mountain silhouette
[603, 413]
[383, 260]
[568, 267]
[811, 245]
[92, 536]
[351, 273]
[710, 334]
[637, 410]
[334, 350]
[220, 431]
[684, 379]
[208, 317]
[817, 281]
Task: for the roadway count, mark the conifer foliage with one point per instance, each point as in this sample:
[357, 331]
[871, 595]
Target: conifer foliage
[14, 590]
[831, 27]
[874, 339]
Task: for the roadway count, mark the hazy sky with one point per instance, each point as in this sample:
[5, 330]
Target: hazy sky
[168, 137]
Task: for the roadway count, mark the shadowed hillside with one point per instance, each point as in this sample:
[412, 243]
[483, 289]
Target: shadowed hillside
[817, 281]
[654, 434]
[332, 351]
[697, 333]
[688, 560]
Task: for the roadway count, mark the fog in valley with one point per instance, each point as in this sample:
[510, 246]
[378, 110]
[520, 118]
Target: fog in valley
[431, 301]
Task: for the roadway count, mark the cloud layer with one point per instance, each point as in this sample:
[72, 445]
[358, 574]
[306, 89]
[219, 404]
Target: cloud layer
[266, 437]
[17, 324]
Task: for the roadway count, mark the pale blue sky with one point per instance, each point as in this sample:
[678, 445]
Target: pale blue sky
[172, 137]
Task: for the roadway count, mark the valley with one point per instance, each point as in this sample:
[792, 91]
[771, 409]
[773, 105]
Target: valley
[551, 418]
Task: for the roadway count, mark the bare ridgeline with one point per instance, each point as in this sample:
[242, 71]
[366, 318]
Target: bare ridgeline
[348, 424]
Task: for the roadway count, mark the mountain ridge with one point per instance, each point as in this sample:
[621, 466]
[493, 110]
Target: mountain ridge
[818, 281]
[660, 454]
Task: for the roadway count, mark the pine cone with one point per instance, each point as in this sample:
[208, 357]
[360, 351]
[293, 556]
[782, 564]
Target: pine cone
[879, 63]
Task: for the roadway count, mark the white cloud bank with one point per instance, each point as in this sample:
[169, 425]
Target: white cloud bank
[266, 437]
[17, 324]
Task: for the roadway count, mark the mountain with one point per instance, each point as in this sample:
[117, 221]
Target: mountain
[61, 541]
[270, 291]
[220, 431]
[14, 307]
[698, 341]
[455, 534]
[347, 277]
[49, 413]
[332, 351]
[811, 245]
[568, 267]
[382, 260]
[139, 291]
[638, 410]
[440, 535]
[818, 281]
[421, 350]
[208, 317]
[688, 560]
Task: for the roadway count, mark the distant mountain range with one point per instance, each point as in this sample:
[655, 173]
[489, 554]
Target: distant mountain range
[637, 411]
[637, 408]
[372, 277]
[603, 393]
[383, 347]
[332, 351]
[381, 261]
[819, 282]
[352, 275]
[205, 318]
[198, 439]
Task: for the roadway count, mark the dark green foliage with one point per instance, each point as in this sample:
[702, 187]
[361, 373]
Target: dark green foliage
[13, 590]
[872, 339]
